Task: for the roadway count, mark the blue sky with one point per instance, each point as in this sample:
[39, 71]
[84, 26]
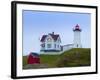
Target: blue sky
[38, 23]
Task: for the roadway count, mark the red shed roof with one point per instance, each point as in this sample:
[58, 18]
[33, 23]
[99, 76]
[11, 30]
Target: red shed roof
[34, 54]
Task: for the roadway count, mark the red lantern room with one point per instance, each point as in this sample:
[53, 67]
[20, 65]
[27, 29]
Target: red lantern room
[77, 28]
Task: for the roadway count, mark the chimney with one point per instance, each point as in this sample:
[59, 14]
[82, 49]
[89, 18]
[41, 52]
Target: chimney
[53, 33]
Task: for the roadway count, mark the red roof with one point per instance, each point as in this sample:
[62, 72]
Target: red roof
[54, 36]
[77, 28]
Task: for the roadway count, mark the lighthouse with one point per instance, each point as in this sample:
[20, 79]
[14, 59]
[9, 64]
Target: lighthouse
[77, 36]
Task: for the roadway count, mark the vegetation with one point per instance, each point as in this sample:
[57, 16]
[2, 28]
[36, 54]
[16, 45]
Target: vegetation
[49, 60]
[75, 57]
[24, 60]
[72, 58]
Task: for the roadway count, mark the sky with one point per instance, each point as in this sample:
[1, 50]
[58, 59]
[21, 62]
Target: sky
[38, 23]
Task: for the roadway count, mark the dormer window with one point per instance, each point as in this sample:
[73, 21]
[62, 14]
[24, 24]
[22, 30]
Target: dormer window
[49, 39]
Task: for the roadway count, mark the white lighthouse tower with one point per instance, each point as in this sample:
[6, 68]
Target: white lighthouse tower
[77, 36]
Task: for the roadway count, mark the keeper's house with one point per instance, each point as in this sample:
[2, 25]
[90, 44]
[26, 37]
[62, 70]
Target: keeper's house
[50, 43]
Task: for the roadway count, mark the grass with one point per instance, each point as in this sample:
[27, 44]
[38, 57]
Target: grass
[75, 57]
[72, 58]
[24, 60]
[49, 59]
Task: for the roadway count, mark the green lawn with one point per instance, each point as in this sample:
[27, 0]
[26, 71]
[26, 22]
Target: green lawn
[72, 58]
[75, 57]
[24, 60]
[49, 60]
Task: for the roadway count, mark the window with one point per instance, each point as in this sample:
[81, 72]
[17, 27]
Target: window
[43, 45]
[49, 45]
[58, 39]
[55, 45]
[58, 46]
[49, 39]
[77, 45]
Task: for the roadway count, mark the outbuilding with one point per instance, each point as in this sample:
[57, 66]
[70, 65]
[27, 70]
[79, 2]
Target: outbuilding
[33, 58]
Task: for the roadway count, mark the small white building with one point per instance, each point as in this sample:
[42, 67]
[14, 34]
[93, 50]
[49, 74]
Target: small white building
[50, 43]
[67, 47]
